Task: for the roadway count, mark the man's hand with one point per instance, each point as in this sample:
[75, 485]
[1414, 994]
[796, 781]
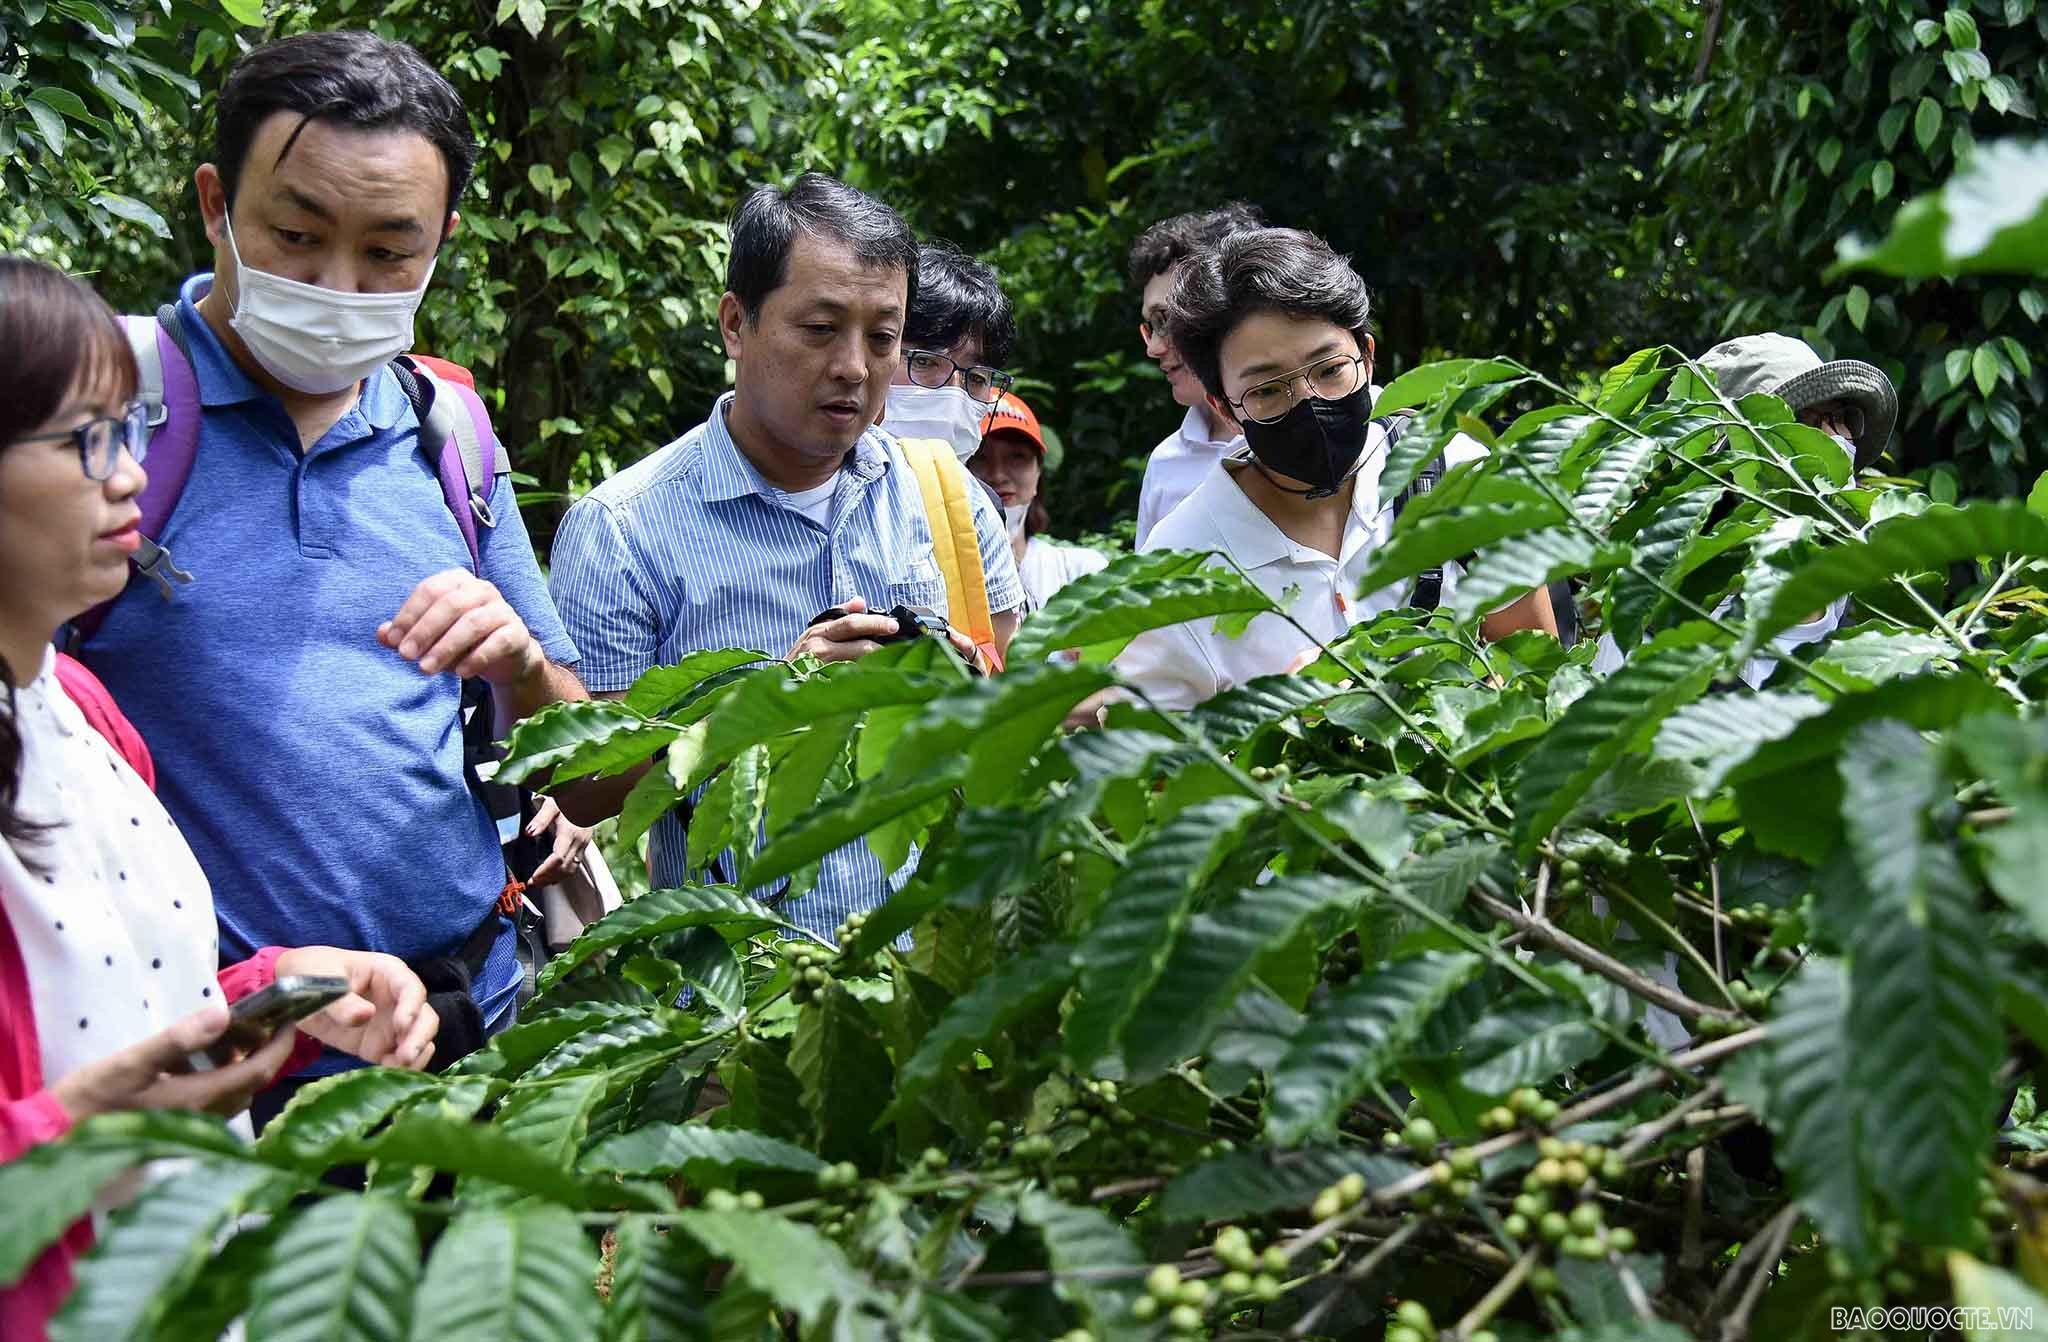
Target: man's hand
[140, 1076]
[851, 636]
[455, 621]
[570, 841]
[384, 1019]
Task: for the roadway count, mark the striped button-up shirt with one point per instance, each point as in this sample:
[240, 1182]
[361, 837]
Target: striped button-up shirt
[692, 549]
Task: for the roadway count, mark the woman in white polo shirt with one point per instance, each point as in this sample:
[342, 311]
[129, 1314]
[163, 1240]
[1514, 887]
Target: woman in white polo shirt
[1012, 462]
[1275, 324]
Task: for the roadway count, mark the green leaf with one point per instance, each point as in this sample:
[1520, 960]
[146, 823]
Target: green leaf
[533, 16]
[844, 817]
[1657, 548]
[517, 1275]
[1601, 725]
[344, 1270]
[1926, 123]
[1990, 217]
[1527, 1044]
[1611, 482]
[1857, 304]
[1431, 380]
[1962, 29]
[1016, 988]
[1214, 958]
[654, 1295]
[1354, 1038]
[767, 706]
[49, 124]
[1103, 611]
[1440, 538]
[1082, 1245]
[1925, 1035]
[1124, 953]
[1257, 1180]
[663, 687]
[247, 13]
[2015, 853]
[552, 1116]
[798, 1267]
[697, 1153]
[1437, 881]
[658, 913]
[340, 1108]
[1882, 178]
[1519, 566]
[846, 1074]
[133, 210]
[1228, 720]
[158, 1245]
[1998, 1306]
[464, 1148]
[1722, 731]
[586, 736]
[1814, 1112]
[45, 1189]
[1985, 367]
[1899, 546]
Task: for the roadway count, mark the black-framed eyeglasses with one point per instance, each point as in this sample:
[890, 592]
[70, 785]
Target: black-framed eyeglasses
[1326, 379]
[100, 440]
[929, 368]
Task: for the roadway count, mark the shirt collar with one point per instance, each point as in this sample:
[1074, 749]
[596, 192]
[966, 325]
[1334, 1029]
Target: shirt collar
[1194, 428]
[222, 382]
[729, 475]
[1254, 539]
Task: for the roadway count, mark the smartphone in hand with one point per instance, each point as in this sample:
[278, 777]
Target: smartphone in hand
[254, 1019]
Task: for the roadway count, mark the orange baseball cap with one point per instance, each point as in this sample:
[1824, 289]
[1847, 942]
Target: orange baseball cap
[1011, 415]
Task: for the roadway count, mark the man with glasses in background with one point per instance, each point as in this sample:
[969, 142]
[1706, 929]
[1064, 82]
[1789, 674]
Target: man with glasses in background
[787, 520]
[958, 336]
[1275, 325]
[1191, 452]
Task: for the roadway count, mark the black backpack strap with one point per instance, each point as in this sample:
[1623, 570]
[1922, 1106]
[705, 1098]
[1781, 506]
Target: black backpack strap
[1429, 584]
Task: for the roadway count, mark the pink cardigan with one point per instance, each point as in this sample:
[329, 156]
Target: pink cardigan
[29, 1113]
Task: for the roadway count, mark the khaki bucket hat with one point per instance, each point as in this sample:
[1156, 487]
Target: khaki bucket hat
[1788, 369]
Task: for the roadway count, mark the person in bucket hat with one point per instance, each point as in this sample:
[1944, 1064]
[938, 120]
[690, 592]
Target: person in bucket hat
[1844, 397]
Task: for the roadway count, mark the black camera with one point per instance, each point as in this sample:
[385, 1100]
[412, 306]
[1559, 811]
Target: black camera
[911, 622]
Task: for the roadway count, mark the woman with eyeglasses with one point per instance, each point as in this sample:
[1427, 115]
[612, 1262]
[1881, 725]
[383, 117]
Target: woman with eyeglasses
[108, 973]
[1276, 326]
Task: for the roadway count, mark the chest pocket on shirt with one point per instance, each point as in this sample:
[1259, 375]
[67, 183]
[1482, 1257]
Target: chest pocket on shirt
[921, 585]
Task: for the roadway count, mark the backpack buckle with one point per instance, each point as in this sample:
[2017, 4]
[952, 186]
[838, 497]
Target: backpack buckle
[483, 512]
[154, 562]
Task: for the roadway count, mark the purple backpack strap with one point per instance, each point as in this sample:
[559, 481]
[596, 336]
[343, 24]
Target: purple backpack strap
[455, 431]
[166, 384]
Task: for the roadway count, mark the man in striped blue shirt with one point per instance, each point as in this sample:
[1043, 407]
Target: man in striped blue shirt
[785, 502]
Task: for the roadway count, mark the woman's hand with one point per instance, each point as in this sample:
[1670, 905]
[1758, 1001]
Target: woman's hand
[384, 1019]
[140, 1076]
[570, 841]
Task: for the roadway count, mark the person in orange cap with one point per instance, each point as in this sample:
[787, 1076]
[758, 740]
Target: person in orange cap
[1012, 461]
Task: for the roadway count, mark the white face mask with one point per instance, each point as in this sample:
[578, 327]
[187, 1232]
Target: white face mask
[937, 412]
[319, 341]
[1013, 516]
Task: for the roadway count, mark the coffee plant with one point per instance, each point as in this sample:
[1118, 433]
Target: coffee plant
[1445, 990]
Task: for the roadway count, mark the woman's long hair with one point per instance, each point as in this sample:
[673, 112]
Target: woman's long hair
[55, 334]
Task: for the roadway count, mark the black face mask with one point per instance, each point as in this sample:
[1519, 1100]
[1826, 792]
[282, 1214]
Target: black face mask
[1317, 441]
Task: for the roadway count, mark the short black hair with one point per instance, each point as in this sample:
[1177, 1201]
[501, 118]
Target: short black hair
[765, 226]
[1171, 241]
[351, 78]
[1267, 270]
[956, 295]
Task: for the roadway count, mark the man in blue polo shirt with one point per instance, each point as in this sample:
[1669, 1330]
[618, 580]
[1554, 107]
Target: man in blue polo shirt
[303, 694]
[784, 502]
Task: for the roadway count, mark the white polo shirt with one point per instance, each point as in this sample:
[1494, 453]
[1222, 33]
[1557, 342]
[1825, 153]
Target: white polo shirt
[1185, 458]
[1183, 664]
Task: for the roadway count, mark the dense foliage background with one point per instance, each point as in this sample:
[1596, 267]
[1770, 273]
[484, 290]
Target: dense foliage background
[1560, 182]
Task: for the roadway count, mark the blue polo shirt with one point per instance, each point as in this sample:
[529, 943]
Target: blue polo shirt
[317, 774]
